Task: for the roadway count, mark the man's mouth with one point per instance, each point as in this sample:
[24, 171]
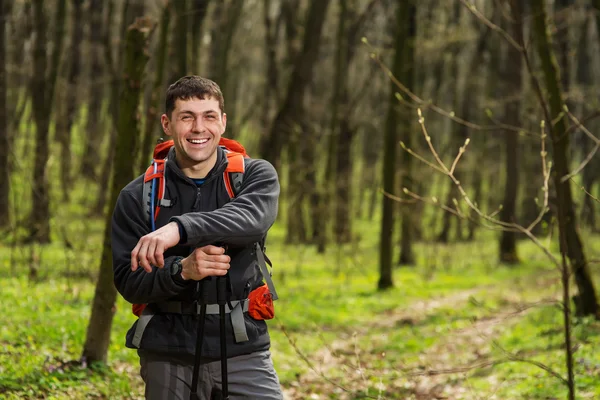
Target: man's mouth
[198, 141]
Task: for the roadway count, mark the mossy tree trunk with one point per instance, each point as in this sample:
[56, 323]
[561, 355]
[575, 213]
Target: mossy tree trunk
[97, 340]
[557, 125]
[4, 133]
[42, 95]
[93, 129]
[271, 94]
[197, 16]
[458, 135]
[291, 113]
[152, 127]
[180, 34]
[407, 210]
[226, 21]
[328, 193]
[390, 152]
[289, 122]
[64, 124]
[512, 115]
[591, 173]
[114, 61]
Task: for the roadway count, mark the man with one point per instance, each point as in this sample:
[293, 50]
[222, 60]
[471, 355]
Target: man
[178, 263]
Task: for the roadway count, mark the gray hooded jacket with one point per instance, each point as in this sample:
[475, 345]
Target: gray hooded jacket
[208, 216]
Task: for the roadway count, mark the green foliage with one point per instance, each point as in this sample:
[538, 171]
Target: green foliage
[456, 308]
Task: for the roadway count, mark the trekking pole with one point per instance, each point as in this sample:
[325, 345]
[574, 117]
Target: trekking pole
[202, 301]
[221, 301]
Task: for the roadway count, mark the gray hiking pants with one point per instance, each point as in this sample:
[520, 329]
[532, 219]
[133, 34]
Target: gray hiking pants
[250, 376]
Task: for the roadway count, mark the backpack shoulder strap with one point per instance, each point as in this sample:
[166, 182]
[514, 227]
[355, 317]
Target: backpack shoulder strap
[154, 190]
[233, 175]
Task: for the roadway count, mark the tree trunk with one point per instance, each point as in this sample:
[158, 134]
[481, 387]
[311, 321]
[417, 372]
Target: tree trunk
[328, 192]
[407, 210]
[343, 132]
[195, 24]
[93, 130]
[4, 133]
[477, 182]
[180, 37]
[271, 85]
[291, 112]
[226, 22]
[585, 82]
[513, 89]
[563, 19]
[338, 173]
[587, 303]
[343, 177]
[65, 123]
[296, 227]
[596, 5]
[152, 127]
[103, 307]
[42, 94]
[389, 154]
[458, 137]
[129, 13]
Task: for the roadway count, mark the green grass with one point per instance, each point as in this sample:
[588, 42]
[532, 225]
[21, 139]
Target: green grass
[330, 318]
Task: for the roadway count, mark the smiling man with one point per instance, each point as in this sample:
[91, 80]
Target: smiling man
[170, 268]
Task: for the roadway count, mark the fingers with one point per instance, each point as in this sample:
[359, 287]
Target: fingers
[159, 256]
[134, 257]
[143, 257]
[150, 248]
[214, 269]
[212, 250]
[222, 266]
[150, 252]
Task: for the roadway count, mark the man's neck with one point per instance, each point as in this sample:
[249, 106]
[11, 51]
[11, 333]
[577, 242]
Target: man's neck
[198, 170]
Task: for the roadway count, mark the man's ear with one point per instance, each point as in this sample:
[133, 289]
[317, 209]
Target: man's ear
[166, 124]
[224, 120]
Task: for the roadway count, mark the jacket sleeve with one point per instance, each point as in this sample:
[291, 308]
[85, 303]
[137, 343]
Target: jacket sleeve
[128, 226]
[244, 220]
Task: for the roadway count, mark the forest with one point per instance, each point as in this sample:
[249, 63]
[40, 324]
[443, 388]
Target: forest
[437, 234]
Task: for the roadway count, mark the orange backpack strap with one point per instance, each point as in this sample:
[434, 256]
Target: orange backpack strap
[233, 145]
[162, 149]
[234, 173]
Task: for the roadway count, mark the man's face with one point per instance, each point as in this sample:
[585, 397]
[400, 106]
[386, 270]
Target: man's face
[196, 127]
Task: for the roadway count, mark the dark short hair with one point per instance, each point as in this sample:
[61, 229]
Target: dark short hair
[192, 86]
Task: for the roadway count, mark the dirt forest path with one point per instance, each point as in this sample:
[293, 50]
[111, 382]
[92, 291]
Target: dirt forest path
[439, 371]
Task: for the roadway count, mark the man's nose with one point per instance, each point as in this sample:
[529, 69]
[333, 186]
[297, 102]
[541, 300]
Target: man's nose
[198, 125]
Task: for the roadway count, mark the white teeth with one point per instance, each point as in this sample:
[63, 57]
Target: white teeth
[197, 141]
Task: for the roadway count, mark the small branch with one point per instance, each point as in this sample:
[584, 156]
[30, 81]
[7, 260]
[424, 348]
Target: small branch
[418, 157]
[311, 365]
[590, 155]
[473, 10]
[460, 153]
[496, 224]
[429, 105]
[514, 357]
[546, 175]
[591, 195]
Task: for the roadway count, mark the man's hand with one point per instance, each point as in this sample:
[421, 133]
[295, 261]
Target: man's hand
[205, 261]
[150, 248]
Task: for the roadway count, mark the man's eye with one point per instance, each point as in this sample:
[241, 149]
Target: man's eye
[186, 118]
[210, 117]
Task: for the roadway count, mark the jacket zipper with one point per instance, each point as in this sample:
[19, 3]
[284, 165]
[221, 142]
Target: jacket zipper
[195, 208]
